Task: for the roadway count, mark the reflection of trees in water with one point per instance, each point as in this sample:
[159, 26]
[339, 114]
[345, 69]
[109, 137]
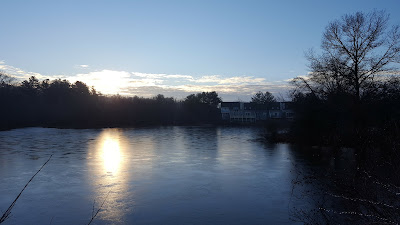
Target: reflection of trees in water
[358, 195]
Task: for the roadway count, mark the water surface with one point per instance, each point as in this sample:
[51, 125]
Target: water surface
[166, 175]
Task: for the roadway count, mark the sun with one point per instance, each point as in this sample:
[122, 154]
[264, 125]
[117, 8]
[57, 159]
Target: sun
[107, 82]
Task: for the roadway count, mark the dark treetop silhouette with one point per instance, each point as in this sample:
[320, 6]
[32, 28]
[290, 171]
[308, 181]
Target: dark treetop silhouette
[58, 103]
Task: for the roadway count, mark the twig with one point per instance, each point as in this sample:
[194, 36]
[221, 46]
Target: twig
[8, 211]
[101, 206]
[94, 202]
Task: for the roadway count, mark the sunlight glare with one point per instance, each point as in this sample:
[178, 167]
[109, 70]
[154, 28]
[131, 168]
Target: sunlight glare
[105, 81]
[111, 155]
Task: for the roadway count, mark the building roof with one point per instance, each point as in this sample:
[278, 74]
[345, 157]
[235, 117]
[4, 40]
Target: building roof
[230, 104]
[255, 106]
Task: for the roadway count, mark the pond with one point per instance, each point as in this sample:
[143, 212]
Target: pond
[162, 175]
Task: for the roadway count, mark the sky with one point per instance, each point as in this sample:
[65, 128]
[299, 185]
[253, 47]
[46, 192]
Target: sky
[174, 48]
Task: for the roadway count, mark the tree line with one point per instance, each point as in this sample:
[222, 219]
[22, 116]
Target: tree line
[59, 103]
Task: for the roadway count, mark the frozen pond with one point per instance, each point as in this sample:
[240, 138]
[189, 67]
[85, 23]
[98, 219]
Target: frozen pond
[166, 175]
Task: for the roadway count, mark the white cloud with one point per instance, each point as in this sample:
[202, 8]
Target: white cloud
[171, 85]
[177, 76]
[227, 92]
[305, 77]
[179, 86]
[162, 75]
[389, 73]
[148, 75]
[20, 74]
[230, 80]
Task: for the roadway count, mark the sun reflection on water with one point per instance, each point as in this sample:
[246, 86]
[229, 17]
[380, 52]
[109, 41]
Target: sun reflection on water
[109, 174]
[111, 155]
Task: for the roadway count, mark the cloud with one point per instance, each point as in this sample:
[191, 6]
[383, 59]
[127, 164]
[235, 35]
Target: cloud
[171, 85]
[389, 73]
[305, 77]
[227, 92]
[177, 76]
[162, 75]
[230, 80]
[20, 74]
[82, 67]
[178, 86]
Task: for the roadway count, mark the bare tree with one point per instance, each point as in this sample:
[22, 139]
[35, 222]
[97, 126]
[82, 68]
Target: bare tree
[354, 50]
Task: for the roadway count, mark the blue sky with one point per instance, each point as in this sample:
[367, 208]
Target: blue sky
[170, 47]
